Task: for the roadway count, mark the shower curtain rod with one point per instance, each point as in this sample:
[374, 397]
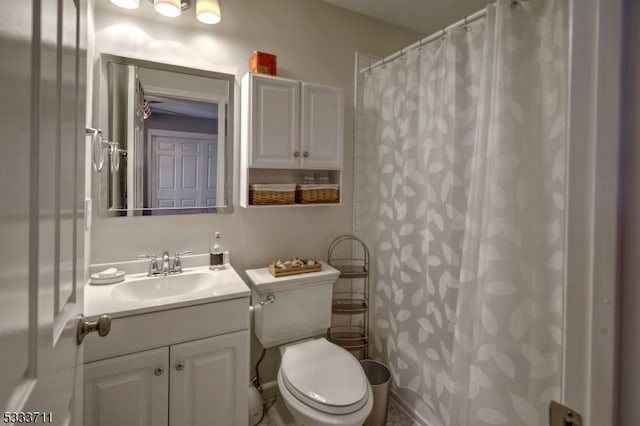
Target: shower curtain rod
[428, 39]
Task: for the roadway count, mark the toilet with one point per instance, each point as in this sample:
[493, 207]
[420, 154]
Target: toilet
[320, 382]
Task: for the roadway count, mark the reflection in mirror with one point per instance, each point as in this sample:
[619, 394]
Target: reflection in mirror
[171, 127]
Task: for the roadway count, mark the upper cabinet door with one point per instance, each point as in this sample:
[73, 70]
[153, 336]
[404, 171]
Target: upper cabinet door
[322, 127]
[275, 123]
[209, 381]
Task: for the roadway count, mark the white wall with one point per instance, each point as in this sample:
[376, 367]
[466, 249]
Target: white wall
[314, 42]
[629, 366]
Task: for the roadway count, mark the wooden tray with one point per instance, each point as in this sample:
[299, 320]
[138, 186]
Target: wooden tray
[294, 271]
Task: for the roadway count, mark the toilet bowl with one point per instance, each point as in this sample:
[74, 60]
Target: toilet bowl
[323, 384]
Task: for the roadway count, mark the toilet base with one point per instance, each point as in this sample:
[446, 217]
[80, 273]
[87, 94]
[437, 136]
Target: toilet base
[304, 415]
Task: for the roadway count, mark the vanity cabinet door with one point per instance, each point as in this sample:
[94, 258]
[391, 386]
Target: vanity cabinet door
[209, 380]
[322, 128]
[274, 123]
[127, 390]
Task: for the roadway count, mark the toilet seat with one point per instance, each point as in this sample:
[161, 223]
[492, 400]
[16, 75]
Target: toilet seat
[325, 377]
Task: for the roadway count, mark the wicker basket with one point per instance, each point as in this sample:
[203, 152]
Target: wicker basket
[261, 195]
[294, 270]
[315, 194]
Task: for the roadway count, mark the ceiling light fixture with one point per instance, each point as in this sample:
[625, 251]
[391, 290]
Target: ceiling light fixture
[208, 11]
[170, 8]
[127, 4]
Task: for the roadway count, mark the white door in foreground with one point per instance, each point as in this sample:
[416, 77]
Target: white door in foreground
[42, 79]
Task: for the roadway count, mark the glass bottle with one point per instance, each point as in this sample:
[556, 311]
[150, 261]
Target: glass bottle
[216, 254]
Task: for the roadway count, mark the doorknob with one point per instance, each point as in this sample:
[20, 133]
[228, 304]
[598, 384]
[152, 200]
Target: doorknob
[305, 154]
[102, 326]
[180, 365]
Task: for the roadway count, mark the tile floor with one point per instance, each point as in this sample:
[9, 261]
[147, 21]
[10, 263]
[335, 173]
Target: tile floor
[277, 415]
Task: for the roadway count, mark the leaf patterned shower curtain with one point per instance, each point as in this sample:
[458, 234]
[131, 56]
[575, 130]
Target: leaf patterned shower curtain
[465, 170]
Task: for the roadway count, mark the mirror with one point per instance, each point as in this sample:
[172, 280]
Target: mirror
[169, 139]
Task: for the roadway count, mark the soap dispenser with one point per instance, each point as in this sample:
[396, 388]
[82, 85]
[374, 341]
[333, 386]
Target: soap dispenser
[216, 254]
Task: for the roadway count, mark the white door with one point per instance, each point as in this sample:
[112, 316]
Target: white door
[275, 123]
[128, 390]
[209, 379]
[184, 169]
[322, 128]
[42, 80]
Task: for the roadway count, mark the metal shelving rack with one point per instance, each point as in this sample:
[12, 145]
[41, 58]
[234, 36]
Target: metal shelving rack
[353, 337]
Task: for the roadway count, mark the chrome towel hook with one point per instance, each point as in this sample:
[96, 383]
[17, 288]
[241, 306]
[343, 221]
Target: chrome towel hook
[97, 154]
[98, 145]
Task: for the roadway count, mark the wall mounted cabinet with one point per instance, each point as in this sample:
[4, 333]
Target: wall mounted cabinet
[289, 128]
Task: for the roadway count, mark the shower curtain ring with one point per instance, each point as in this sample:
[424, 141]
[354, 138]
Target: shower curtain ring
[466, 25]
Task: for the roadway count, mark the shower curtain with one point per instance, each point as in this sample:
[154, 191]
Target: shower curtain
[465, 187]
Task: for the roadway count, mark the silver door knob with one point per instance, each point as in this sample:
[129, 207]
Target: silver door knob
[180, 365]
[296, 154]
[158, 371]
[102, 326]
[305, 154]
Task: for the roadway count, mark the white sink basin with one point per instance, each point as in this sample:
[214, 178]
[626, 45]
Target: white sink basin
[139, 293]
[163, 286]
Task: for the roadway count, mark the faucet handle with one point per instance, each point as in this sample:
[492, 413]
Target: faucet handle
[153, 262]
[177, 263]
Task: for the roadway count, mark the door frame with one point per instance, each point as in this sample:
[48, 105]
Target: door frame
[592, 232]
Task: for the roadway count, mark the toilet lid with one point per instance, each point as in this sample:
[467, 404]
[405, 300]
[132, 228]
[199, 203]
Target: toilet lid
[324, 376]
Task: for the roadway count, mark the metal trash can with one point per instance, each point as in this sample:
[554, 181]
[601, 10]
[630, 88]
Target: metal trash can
[379, 377]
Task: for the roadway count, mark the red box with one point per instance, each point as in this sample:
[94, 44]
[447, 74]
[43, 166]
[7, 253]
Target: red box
[263, 63]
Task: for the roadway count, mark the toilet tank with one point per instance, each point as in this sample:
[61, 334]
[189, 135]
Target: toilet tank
[301, 308]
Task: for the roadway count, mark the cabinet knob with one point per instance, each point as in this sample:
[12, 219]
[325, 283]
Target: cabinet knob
[180, 365]
[296, 154]
[158, 371]
[305, 154]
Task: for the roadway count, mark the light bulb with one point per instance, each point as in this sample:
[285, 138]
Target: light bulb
[127, 4]
[208, 11]
[170, 8]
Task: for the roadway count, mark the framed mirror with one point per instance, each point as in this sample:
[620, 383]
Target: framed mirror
[168, 134]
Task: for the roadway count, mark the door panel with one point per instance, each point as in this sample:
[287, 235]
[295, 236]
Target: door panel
[15, 80]
[183, 168]
[128, 390]
[322, 127]
[209, 381]
[275, 123]
[47, 169]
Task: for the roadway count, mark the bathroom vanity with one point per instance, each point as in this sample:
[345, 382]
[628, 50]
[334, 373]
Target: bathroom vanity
[177, 353]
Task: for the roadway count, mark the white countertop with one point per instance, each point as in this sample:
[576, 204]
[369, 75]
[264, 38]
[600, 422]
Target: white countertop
[99, 299]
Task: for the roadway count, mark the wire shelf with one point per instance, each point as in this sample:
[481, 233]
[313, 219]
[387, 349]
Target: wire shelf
[354, 337]
[349, 306]
[349, 337]
[352, 271]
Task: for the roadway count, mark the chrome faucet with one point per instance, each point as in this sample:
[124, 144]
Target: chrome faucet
[167, 266]
[166, 260]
